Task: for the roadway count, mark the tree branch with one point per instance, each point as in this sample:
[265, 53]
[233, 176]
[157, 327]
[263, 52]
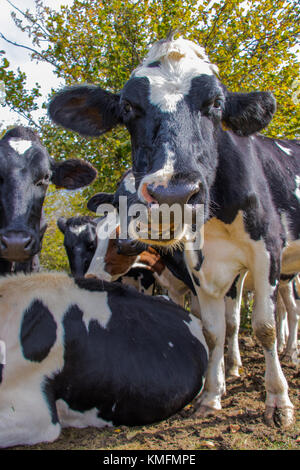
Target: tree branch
[28, 17]
[28, 48]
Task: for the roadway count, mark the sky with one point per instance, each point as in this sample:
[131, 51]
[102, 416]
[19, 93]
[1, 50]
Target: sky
[19, 57]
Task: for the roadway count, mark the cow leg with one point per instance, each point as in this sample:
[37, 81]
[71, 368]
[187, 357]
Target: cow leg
[291, 350]
[264, 327]
[213, 320]
[233, 300]
[212, 278]
[26, 417]
[281, 324]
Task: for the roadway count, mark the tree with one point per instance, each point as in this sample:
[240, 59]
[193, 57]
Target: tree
[59, 203]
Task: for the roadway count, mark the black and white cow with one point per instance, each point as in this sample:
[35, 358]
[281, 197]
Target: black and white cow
[195, 142]
[25, 173]
[80, 241]
[88, 353]
[171, 273]
[116, 257]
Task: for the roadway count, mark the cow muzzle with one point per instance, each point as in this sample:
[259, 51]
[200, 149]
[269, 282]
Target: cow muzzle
[17, 246]
[172, 194]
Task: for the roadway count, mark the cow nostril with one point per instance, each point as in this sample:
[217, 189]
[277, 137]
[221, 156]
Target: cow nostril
[148, 194]
[3, 244]
[90, 276]
[194, 195]
[27, 243]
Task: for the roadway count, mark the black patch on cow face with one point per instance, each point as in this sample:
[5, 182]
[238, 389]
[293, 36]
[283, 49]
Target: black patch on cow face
[185, 133]
[154, 64]
[38, 332]
[141, 368]
[1, 372]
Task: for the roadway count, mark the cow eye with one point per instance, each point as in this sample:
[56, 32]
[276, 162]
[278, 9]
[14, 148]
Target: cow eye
[127, 108]
[218, 103]
[43, 181]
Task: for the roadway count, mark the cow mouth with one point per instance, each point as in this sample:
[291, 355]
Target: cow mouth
[158, 235]
[156, 227]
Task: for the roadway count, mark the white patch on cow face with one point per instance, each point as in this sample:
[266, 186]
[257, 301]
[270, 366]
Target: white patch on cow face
[77, 419]
[286, 225]
[297, 190]
[286, 150]
[20, 146]
[98, 263]
[160, 177]
[129, 183]
[78, 229]
[180, 61]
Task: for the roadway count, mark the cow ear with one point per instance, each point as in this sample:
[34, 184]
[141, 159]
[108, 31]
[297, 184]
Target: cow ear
[247, 113]
[62, 224]
[72, 174]
[86, 109]
[98, 199]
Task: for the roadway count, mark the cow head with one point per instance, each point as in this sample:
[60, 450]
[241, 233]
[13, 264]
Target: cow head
[25, 173]
[173, 106]
[80, 241]
[114, 256]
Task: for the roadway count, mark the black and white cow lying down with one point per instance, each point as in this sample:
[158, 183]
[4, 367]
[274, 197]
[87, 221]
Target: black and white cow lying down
[26, 170]
[90, 353]
[195, 142]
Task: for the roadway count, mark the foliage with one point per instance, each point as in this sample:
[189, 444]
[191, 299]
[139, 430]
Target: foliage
[253, 43]
[15, 94]
[59, 203]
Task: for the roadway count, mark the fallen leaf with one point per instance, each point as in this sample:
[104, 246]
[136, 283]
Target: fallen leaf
[233, 428]
[209, 444]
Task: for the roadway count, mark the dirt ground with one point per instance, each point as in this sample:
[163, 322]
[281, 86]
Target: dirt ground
[239, 426]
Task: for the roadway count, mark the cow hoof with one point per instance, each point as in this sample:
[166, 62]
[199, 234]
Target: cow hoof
[204, 411]
[281, 417]
[291, 358]
[232, 373]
